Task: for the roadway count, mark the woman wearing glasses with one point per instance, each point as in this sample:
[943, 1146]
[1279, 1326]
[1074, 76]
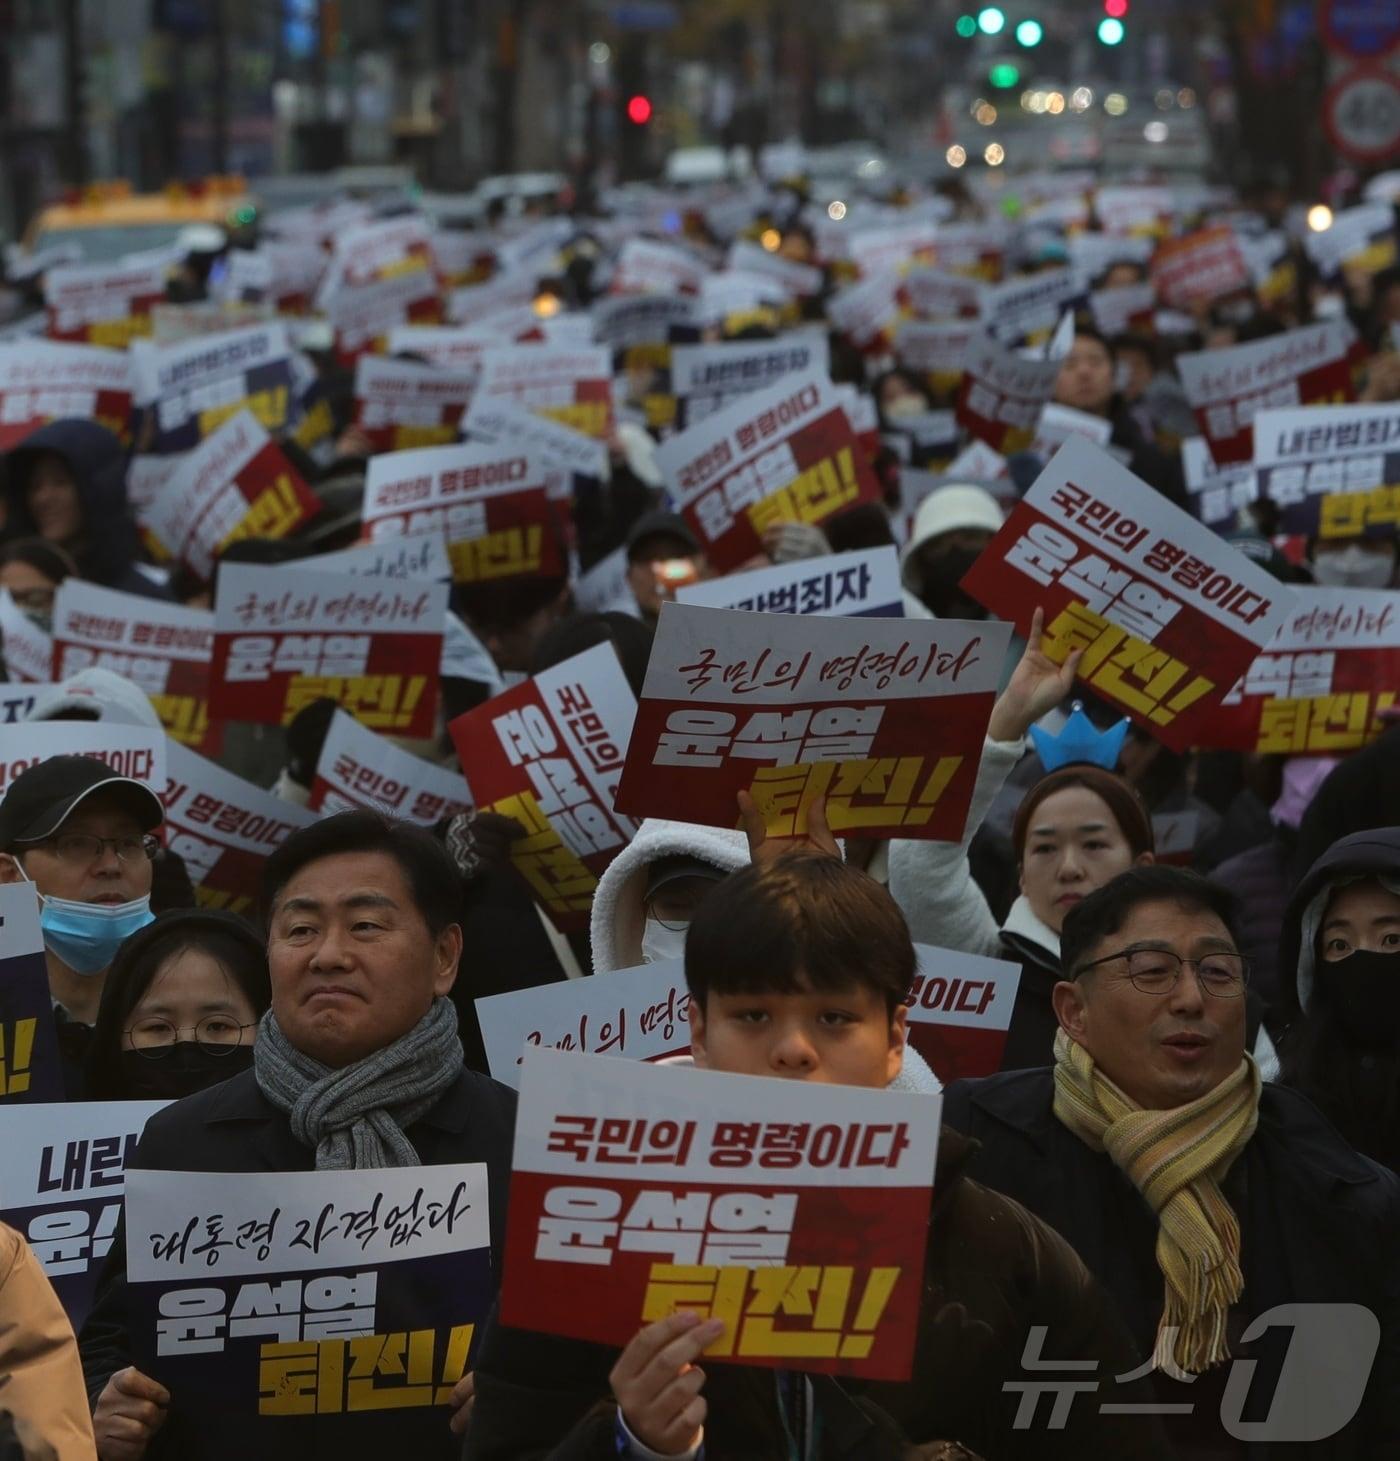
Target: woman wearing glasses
[180, 1008]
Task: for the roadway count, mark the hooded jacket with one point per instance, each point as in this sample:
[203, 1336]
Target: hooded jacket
[109, 546]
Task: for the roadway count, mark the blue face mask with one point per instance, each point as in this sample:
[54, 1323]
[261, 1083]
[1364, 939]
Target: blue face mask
[86, 936]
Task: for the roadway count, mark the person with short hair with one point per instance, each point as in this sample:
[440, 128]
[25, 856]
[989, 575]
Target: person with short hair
[357, 1065]
[663, 554]
[83, 838]
[1201, 1197]
[798, 967]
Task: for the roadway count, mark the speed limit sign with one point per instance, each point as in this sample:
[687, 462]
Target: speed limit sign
[1361, 112]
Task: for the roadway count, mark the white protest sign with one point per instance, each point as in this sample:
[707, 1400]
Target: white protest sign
[358, 768]
[845, 584]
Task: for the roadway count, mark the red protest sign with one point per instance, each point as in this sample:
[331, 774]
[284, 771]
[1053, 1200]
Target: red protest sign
[42, 381]
[235, 484]
[960, 1010]
[566, 384]
[1228, 388]
[402, 403]
[785, 454]
[795, 1212]
[163, 648]
[1201, 267]
[224, 828]
[489, 500]
[548, 753]
[885, 718]
[1003, 392]
[103, 304]
[1322, 682]
[137, 751]
[1168, 614]
[363, 314]
[370, 645]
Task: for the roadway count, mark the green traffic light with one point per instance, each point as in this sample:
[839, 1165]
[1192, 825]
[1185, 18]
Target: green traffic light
[966, 26]
[1004, 75]
[1030, 33]
[991, 20]
[1111, 30]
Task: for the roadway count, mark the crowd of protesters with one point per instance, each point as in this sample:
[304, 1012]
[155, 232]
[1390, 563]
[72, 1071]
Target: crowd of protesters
[1196, 1121]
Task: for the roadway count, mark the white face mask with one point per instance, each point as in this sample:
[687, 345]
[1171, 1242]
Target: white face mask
[1353, 567]
[660, 942]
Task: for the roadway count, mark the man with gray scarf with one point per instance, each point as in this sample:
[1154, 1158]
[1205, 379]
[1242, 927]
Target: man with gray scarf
[356, 1065]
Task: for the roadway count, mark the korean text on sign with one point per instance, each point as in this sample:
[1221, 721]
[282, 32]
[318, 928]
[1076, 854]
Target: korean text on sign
[960, 1010]
[785, 454]
[45, 380]
[846, 584]
[885, 718]
[549, 753]
[1321, 686]
[358, 768]
[263, 1297]
[371, 645]
[795, 1213]
[1167, 613]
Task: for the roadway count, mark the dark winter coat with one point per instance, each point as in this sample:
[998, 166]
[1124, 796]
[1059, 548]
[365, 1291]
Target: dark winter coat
[1320, 1224]
[991, 1273]
[110, 545]
[1259, 880]
[233, 1127]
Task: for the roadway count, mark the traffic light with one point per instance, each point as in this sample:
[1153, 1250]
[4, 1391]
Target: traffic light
[639, 110]
[1004, 75]
[1111, 30]
[966, 26]
[1030, 32]
[991, 20]
[1115, 9]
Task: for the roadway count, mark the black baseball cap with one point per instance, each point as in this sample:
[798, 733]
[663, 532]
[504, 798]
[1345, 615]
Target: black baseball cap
[41, 799]
[661, 525]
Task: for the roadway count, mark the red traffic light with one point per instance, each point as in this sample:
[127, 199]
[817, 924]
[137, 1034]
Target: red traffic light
[1116, 8]
[639, 110]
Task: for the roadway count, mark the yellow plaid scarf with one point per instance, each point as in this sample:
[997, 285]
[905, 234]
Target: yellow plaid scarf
[1177, 1160]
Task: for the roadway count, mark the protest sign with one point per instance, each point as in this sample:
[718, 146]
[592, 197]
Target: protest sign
[801, 280]
[162, 647]
[1228, 388]
[884, 718]
[563, 449]
[1058, 423]
[960, 1010]
[935, 294]
[1003, 392]
[449, 347]
[62, 1169]
[284, 272]
[1168, 614]
[378, 248]
[292, 1311]
[937, 349]
[868, 311]
[1321, 684]
[641, 1013]
[1218, 493]
[604, 589]
[893, 246]
[17, 699]
[1200, 268]
[137, 751]
[785, 454]
[623, 322]
[974, 250]
[707, 377]
[362, 315]
[572, 385]
[103, 304]
[491, 502]
[372, 648]
[146, 477]
[1333, 471]
[856, 584]
[192, 388]
[1025, 310]
[358, 768]
[1127, 308]
[223, 828]
[413, 557]
[647, 267]
[548, 753]
[235, 484]
[44, 380]
[29, 1059]
[27, 649]
[403, 403]
[796, 1212]
[1361, 239]
[477, 302]
[1134, 209]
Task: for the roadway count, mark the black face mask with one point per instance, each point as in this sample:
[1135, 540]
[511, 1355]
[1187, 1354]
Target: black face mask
[943, 572]
[1364, 989]
[187, 1068]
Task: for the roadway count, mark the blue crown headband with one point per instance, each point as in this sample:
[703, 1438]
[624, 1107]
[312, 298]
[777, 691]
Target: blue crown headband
[1079, 742]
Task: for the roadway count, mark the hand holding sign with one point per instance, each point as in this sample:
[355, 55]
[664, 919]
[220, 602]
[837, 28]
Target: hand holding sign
[130, 1410]
[765, 848]
[657, 1382]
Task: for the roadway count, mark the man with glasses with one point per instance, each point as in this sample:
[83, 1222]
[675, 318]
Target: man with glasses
[82, 836]
[1201, 1198]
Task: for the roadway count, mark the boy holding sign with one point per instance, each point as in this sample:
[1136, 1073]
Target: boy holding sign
[797, 968]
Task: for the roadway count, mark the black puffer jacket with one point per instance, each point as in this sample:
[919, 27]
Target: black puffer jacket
[109, 545]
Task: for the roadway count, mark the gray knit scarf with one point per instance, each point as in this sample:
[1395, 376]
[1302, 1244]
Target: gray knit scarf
[355, 1117]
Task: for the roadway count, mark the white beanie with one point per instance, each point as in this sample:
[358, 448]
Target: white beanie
[96, 694]
[958, 506]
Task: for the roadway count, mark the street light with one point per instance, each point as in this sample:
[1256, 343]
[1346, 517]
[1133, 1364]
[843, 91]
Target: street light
[639, 110]
[1029, 33]
[1111, 30]
[966, 26]
[991, 20]
[1004, 75]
